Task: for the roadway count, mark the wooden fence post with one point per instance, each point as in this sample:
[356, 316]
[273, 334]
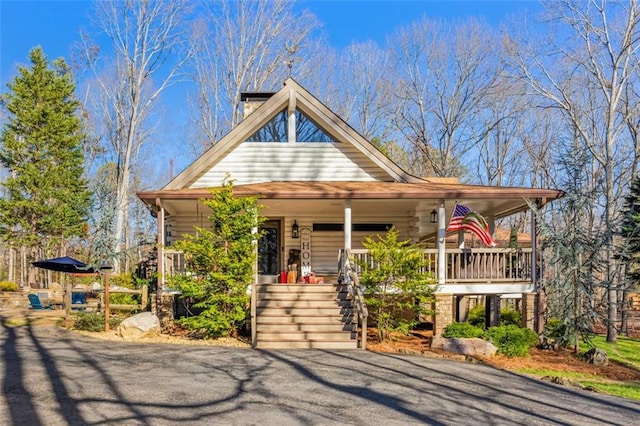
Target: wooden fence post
[144, 297]
[67, 300]
[106, 302]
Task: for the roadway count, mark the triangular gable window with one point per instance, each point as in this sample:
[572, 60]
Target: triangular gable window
[276, 130]
[308, 131]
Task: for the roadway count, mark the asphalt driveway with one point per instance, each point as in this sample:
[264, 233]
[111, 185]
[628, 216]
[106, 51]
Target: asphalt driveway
[51, 376]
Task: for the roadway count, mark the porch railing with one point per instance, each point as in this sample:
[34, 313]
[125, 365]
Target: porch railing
[476, 265]
[174, 262]
[347, 275]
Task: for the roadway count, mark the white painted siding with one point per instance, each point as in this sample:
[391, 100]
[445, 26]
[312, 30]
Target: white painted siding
[324, 244]
[255, 162]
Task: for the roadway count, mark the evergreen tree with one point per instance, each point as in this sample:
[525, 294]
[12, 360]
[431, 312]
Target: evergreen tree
[397, 283]
[630, 232]
[574, 249]
[46, 198]
[220, 263]
[629, 250]
[103, 186]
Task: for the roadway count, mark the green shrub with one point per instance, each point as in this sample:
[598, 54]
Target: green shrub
[512, 340]
[122, 299]
[399, 268]
[93, 322]
[8, 286]
[476, 316]
[510, 317]
[463, 330]
[221, 257]
[507, 316]
[558, 332]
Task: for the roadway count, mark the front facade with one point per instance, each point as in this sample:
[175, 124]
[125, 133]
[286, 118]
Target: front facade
[325, 188]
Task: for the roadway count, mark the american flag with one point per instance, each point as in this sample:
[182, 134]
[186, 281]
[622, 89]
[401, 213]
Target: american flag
[466, 219]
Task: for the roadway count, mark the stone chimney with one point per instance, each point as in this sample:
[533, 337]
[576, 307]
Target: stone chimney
[252, 101]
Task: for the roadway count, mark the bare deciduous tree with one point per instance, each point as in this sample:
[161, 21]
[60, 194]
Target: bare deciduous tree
[146, 42]
[584, 71]
[444, 73]
[244, 46]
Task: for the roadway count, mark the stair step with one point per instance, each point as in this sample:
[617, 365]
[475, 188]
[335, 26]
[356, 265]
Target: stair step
[274, 303]
[304, 316]
[303, 319]
[311, 344]
[298, 288]
[319, 328]
[325, 295]
[286, 311]
[304, 335]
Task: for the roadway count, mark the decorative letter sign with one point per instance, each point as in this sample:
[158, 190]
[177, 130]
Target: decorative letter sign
[305, 251]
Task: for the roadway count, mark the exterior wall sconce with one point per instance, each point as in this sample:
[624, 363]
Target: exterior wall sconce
[433, 217]
[295, 230]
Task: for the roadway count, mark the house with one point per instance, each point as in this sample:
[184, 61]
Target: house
[324, 188]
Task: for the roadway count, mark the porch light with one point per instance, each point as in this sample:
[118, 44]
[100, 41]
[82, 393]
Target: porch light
[295, 231]
[433, 217]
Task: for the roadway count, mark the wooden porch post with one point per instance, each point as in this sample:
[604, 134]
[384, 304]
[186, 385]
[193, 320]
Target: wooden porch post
[535, 278]
[347, 224]
[254, 291]
[491, 221]
[492, 310]
[442, 259]
[161, 244]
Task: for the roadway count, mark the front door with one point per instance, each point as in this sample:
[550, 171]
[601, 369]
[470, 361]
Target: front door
[269, 248]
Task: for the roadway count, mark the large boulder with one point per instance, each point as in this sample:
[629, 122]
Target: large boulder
[597, 356]
[465, 346]
[141, 325]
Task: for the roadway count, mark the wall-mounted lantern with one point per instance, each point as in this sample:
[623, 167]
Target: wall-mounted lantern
[433, 217]
[295, 230]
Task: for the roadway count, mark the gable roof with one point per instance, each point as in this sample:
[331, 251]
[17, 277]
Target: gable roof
[292, 96]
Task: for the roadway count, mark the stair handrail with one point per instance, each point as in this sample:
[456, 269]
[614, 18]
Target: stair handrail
[348, 275]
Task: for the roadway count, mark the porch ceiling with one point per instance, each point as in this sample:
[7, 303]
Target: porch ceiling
[292, 197]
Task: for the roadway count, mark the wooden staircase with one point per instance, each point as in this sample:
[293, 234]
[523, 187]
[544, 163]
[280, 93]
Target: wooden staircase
[290, 316]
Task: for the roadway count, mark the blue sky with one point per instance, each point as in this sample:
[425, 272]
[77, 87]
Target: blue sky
[54, 24]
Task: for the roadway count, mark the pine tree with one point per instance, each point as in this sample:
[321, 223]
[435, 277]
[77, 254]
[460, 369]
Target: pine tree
[573, 247]
[221, 260]
[399, 282]
[629, 250]
[46, 198]
[630, 232]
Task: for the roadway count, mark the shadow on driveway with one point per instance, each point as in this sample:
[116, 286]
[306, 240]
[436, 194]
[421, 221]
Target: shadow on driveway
[52, 376]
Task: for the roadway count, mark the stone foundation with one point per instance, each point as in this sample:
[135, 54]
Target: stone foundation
[165, 313]
[528, 310]
[444, 312]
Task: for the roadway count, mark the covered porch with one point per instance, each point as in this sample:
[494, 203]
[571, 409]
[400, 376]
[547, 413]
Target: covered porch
[317, 220]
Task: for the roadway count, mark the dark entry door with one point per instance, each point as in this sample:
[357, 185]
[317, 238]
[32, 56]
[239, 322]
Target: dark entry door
[269, 248]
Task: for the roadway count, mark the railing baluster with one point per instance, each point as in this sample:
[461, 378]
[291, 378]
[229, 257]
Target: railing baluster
[475, 265]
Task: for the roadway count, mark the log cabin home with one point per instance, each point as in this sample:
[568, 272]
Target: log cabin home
[324, 188]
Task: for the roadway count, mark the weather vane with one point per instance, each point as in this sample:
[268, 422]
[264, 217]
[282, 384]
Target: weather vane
[292, 49]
